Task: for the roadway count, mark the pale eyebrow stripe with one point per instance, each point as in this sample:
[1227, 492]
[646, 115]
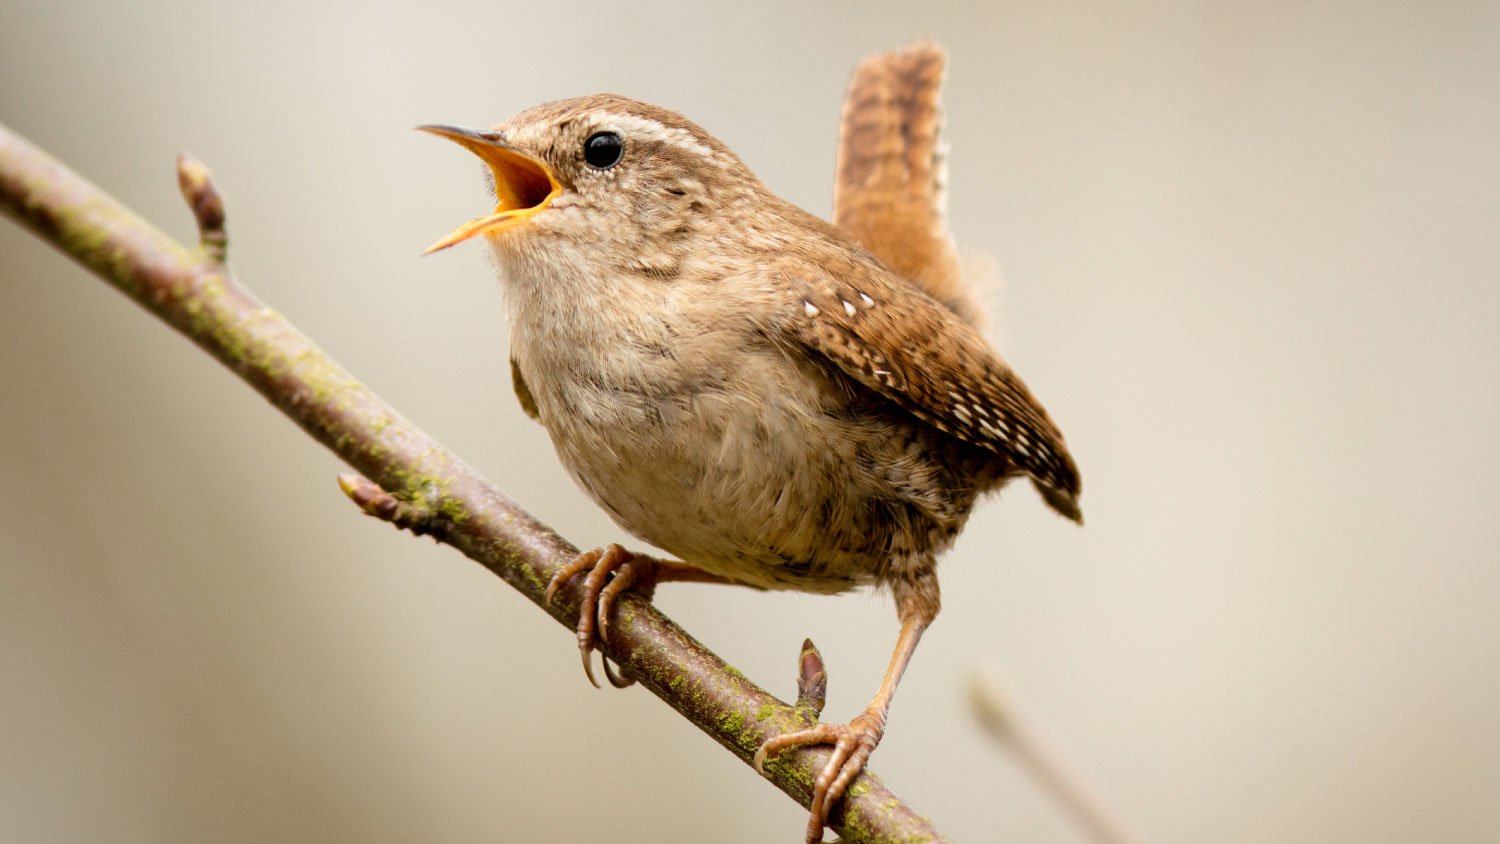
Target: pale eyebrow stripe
[651, 130]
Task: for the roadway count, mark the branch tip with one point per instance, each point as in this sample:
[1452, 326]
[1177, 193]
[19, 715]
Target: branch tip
[197, 186]
[812, 679]
[374, 501]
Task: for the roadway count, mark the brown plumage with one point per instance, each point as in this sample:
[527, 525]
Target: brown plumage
[890, 183]
[745, 385]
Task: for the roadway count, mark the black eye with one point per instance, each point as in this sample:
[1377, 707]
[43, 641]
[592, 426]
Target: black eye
[603, 150]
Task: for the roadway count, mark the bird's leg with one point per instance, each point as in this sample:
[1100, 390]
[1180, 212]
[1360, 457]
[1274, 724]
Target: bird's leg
[612, 570]
[853, 743]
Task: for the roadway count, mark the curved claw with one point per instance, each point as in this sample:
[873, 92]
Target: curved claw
[599, 594]
[818, 734]
[587, 652]
[852, 745]
[623, 579]
[615, 679]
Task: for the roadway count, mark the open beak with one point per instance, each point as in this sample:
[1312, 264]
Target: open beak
[523, 184]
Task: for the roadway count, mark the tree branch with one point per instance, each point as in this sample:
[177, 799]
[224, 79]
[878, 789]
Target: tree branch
[431, 490]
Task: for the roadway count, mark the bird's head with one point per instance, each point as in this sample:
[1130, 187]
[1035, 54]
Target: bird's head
[602, 169]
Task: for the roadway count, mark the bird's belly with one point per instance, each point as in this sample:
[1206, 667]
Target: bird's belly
[724, 475]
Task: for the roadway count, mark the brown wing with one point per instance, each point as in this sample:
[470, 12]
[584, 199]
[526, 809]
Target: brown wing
[523, 392]
[889, 191]
[927, 360]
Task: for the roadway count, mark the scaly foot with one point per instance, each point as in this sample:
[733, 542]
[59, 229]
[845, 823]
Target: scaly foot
[599, 593]
[852, 745]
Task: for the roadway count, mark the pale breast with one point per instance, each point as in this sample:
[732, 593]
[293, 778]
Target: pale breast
[713, 444]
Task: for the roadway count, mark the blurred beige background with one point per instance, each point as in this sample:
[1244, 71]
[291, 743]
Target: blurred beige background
[1251, 265]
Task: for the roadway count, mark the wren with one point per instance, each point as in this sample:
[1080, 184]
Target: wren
[778, 401]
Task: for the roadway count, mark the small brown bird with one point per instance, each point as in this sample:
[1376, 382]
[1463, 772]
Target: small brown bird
[779, 402]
